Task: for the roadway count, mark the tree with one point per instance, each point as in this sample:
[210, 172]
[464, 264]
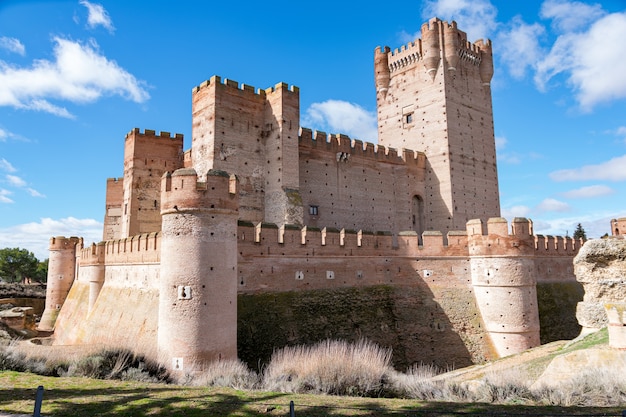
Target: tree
[17, 264]
[579, 233]
[42, 271]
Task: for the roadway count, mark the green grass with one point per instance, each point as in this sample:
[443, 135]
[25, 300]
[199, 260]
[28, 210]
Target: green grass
[91, 397]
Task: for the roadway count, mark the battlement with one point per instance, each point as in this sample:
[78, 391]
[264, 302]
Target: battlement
[136, 132]
[65, 243]
[344, 148]
[138, 249]
[498, 238]
[183, 190]
[407, 55]
[217, 80]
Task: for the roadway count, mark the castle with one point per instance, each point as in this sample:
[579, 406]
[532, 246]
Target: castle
[202, 247]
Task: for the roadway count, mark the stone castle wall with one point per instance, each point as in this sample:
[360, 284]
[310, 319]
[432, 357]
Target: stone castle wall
[419, 299]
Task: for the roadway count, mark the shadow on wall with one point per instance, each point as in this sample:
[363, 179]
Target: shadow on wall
[557, 310]
[407, 319]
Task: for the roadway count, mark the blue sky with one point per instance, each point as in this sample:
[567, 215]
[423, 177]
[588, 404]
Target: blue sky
[76, 76]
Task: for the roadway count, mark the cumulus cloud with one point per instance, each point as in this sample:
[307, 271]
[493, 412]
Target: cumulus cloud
[612, 170]
[591, 61]
[4, 196]
[336, 116]
[98, 16]
[12, 45]
[79, 74]
[551, 204]
[476, 17]
[570, 15]
[35, 236]
[591, 191]
[519, 47]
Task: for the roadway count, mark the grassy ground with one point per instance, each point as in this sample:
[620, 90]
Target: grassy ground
[90, 397]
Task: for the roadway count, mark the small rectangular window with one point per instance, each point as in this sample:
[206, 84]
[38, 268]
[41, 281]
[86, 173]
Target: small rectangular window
[313, 210]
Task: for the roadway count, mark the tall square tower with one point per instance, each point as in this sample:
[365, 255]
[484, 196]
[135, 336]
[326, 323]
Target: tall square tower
[434, 96]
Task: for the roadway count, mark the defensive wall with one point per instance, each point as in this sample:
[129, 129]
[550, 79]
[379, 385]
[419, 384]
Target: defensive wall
[351, 184]
[427, 301]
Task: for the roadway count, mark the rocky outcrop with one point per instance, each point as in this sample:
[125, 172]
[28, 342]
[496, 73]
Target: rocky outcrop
[600, 267]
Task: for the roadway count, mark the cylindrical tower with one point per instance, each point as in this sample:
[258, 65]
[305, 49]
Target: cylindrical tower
[381, 70]
[431, 49]
[505, 284]
[198, 280]
[451, 42]
[61, 274]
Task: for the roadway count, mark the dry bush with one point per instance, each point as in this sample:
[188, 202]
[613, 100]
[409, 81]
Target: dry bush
[597, 387]
[417, 383]
[329, 367]
[226, 373]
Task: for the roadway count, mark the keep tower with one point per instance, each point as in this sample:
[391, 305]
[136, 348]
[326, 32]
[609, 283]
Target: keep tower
[434, 95]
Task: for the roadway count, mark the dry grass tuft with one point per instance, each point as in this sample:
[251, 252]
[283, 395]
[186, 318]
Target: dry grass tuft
[329, 367]
[227, 373]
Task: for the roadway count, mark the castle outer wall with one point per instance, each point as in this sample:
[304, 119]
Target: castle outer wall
[303, 285]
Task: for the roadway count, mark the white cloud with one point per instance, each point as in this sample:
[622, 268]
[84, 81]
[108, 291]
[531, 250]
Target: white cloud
[519, 47]
[612, 170]
[515, 211]
[501, 142]
[35, 236]
[6, 166]
[338, 116]
[98, 16]
[12, 45]
[595, 224]
[591, 191]
[570, 15]
[592, 61]
[550, 204]
[79, 74]
[35, 193]
[15, 181]
[4, 196]
[475, 17]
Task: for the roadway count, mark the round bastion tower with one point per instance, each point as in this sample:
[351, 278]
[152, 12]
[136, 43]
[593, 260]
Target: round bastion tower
[61, 274]
[504, 280]
[198, 281]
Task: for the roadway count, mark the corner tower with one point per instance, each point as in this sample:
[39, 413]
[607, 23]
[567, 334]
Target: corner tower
[434, 96]
[198, 277]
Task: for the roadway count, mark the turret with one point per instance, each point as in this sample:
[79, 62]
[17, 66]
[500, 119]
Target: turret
[381, 70]
[61, 274]
[430, 45]
[486, 61]
[504, 280]
[198, 280]
[451, 41]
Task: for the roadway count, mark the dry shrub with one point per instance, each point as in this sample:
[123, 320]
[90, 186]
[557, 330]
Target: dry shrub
[601, 387]
[329, 367]
[225, 373]
[417, 383]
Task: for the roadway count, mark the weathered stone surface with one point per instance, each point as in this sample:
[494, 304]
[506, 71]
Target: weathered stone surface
[601, 268]
[565, 368]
